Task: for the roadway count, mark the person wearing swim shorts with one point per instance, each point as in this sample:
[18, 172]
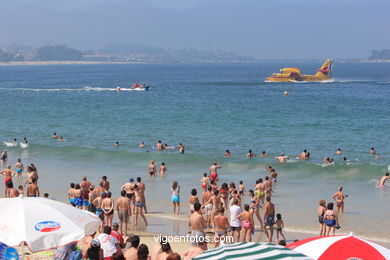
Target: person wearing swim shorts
[19, 167]
[197, 224]
[176, 197]
[269, 218]
[78, 200]
[99, 211]
[33, 189]
[331, 219]
[321, 211]
[139, 205]
[85, 184]
[214, 171]
[221, 226]
[279, 227]
[71, 195]
[123, 208]
[129, 188]
[235, 223]
[259, 190]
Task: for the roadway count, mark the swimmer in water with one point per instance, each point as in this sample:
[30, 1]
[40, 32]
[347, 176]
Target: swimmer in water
[282, 158]
[54, 136]
[167, 147]
[372, 150]
[250, 154]
[263, 154]
[302, 155]
[377, 157]
[159, 146]
[62, 139]
[227, 153]
[25, 140]
[163, 169]
[142, 144]
[152, 169]
[116, 144]
[338, 152]
[327, 160]
[381, 183]
[181, 148]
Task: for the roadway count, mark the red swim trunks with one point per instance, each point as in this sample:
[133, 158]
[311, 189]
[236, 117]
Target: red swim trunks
[213, 177]
[7, 180]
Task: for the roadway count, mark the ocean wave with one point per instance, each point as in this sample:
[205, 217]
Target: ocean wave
[86, 88]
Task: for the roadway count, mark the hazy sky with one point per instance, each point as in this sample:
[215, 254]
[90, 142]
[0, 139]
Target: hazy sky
[261, 28]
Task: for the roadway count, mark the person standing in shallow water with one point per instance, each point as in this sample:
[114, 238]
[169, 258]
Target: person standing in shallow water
[321, 211]
[152, 169]
[176, 197]
[339, 198]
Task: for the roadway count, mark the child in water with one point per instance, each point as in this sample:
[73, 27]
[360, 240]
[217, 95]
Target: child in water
[279, 226]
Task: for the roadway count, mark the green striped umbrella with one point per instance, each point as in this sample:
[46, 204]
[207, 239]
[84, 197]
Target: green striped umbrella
[252, 250]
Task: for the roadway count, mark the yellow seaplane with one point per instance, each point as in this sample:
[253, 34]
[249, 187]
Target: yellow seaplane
[294, 74]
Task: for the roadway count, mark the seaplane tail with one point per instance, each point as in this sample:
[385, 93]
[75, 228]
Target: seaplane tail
[325, 72]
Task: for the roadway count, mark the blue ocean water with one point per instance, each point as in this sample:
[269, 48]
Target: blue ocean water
[209, 108]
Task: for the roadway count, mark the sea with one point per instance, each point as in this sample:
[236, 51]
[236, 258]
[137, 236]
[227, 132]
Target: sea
[209, 108]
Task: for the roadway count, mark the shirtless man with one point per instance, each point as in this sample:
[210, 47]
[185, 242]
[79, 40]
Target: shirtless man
[159, 146]
[372, 151]
[327, 160]
[100, 188]
[116, 144]
[108, 209]
[181, 148]
[71, 194]
[33, 190]
[197, 225]
[214, 171]
[221, 226]
[269, 218]
[142, 144]
[131, 253]
[11, 192]
[85, 185]
[263, 154]
[152, 169]
[8, 174]
[54, 136]
[227, 153]
[19, 167]
[204, 181]
[92, 195]
[339, 198]
[206, 195]
[383, 180]
[123, 208]
[141, 190]
[139, 197]
[163, 169]
[99, 211]
[106, 184]
[338, 152]
[282, 158]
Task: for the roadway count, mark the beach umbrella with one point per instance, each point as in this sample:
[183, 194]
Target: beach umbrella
[340, 247]
[251, 250]
[43, 223]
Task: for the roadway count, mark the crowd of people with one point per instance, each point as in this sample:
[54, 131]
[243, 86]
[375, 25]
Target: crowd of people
[226, 209]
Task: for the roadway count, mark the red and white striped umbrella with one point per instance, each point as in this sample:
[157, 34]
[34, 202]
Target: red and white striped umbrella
[340, 248]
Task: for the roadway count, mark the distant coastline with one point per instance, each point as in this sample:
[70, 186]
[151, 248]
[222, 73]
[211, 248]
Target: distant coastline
[32, 63]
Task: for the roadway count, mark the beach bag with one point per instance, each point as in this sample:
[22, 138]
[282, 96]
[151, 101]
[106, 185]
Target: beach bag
[75, 255]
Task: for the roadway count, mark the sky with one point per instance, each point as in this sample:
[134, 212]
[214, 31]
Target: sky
[269, 29]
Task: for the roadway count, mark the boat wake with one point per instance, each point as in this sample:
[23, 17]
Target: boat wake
[86, 88]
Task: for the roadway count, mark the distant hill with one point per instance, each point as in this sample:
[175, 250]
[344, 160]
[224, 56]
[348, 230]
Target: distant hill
[380, 55]
[118, 52]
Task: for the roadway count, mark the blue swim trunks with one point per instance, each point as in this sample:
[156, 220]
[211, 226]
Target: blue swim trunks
[175, 198]
[19, 170]
[78, 201]
[71, 201]
[86, 203]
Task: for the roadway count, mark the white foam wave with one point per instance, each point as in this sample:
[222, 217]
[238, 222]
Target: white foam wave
[86, 88]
